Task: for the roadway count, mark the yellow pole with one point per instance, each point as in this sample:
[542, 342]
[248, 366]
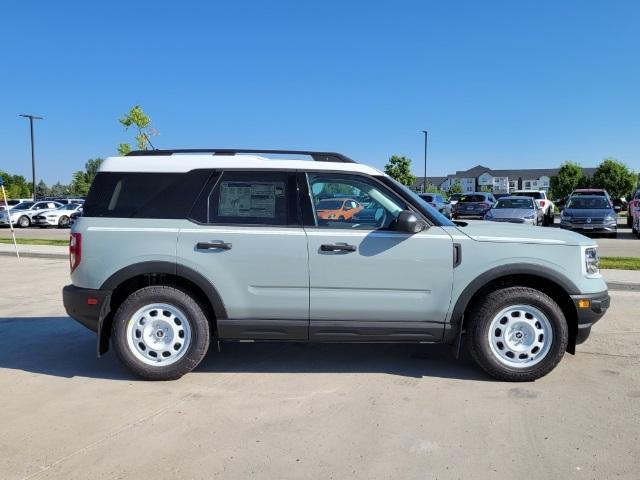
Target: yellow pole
[13, 232]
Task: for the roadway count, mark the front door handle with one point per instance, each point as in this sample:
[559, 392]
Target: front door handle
[340, 247]
[213, 246]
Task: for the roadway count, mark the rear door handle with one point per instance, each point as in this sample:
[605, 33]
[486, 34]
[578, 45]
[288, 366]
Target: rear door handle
[213, 246]
[341, 247]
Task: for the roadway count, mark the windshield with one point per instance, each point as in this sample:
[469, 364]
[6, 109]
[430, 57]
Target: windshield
[524, 203]
[329, 204]
[23, 206]
[584, 203]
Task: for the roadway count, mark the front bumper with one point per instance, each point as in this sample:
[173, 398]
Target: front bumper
[87, 306]
[590, 228]
[598, 303]
[45, 221]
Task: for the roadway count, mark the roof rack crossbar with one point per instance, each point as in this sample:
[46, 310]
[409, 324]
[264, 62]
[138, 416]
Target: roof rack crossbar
[317, 156]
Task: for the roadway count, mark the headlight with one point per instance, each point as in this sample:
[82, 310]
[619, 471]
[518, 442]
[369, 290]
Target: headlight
[609, 218]
[592, 261]
[530, 217]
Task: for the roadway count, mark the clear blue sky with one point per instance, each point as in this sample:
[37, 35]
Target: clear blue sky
[504, 84]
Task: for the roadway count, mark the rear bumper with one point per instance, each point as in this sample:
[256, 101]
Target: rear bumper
[86, 306]
[587, 316]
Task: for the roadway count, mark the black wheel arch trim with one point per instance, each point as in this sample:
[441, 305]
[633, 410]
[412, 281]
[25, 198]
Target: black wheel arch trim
[456, 319]
[176, 269]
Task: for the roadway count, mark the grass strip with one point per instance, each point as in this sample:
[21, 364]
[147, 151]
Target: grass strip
[620, 263]
[36, 241]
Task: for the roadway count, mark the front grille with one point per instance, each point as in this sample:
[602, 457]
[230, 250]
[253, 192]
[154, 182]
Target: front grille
[580, 221]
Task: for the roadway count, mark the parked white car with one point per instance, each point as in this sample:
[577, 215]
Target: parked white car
[60, 217]
[542, 200]
[12, 203]
[22, 214]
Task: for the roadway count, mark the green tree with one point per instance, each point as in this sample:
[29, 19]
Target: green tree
[58, 190]
[456, 187]
[400, 169]
[569, 177]
[615, 177]
[486, 188]
[81, 180]
[42, 190]
[139, 120]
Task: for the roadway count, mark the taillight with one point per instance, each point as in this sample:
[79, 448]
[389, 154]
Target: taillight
[486, 205]
[75, 250]
[542, 203]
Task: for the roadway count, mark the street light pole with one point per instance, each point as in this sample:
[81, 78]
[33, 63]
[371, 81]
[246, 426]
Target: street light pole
[33, 152]
[424, 182]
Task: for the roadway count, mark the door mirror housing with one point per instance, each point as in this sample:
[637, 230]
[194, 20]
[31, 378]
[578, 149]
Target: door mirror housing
[409, 222]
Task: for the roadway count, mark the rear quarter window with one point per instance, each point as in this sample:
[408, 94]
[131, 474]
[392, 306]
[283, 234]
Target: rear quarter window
[144, 194]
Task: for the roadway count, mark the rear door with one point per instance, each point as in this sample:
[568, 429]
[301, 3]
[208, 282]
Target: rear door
[246, 238]
[367, 280]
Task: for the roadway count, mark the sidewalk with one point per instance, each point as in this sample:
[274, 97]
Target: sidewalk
[616, 279]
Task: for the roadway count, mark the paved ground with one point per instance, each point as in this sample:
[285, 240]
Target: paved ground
[305, 411]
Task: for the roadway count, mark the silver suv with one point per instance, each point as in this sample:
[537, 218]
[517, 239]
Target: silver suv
[177, 249]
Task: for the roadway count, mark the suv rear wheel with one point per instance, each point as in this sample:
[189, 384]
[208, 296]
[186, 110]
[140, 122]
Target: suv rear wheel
[160, 332]
[517, 334]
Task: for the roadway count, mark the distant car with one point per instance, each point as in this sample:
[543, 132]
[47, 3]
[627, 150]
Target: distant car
[474, 205]
[22, 214]
[590, 214]
[543, 202]
[11, 203]
[438, 202]
[516, 210]
[498, 196]
[337, 208]
[60, 217]
[632, 208]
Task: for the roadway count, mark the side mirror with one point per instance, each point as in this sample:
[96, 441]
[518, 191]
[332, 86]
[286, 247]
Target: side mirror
[408, 222]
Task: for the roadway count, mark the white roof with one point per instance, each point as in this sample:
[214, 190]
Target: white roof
[186, 162]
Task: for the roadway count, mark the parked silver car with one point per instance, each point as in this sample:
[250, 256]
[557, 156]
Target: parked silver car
[438, 202]
[516, 210]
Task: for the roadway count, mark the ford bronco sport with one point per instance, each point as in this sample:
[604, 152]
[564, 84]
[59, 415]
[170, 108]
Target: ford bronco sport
[180, 248]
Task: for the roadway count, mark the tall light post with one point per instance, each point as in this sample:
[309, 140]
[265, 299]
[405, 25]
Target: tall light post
[33, 152]
[424, 182]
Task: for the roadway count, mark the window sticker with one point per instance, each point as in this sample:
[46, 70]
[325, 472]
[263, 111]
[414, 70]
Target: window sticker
[244, 199]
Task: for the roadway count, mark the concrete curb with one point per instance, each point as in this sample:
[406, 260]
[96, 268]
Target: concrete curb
[624, 286]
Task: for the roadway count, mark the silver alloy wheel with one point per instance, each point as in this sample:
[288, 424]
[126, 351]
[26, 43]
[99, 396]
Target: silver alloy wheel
[159, 334]
[64, 221]
[520, 336]
[24, 222]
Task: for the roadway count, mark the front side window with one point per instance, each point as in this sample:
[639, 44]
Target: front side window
[253, 198]
[352, 202]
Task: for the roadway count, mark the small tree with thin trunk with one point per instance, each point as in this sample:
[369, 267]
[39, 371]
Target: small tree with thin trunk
[139, 120]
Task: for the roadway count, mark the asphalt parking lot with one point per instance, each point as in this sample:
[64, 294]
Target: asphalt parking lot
[305, 411]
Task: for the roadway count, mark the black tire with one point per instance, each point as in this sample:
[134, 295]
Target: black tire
[484, 311]
[63, 222]
[24, 222]
[629, 221]
[195, 316]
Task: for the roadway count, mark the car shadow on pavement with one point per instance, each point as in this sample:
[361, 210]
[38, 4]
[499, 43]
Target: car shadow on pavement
[406, 360]
[58, 346]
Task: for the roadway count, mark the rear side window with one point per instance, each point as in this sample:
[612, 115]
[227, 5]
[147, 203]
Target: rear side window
[144, 194]
[250, 198]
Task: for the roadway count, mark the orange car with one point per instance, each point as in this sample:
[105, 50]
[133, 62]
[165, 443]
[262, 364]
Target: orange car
[337, 208]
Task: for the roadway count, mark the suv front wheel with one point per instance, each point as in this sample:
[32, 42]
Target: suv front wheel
[517, 334]
[160, 332]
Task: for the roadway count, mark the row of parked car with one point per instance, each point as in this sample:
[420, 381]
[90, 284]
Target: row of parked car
[25, 213]
[585, 210]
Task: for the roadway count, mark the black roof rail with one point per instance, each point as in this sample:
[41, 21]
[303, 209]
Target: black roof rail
[317, 156]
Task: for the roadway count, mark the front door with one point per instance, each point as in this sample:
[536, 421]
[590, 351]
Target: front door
[368, 281]
[248, 241]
